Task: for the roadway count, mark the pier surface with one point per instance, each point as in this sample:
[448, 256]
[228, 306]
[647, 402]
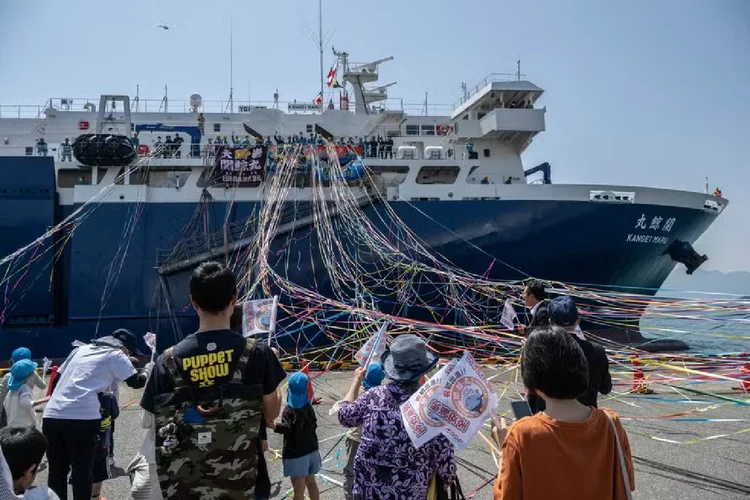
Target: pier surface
[672, 456]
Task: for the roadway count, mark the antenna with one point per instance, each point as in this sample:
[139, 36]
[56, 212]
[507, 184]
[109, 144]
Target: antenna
[518, 69]
[320, 44]
[164, 101]
[425, 104]
[231, 65]
[137, 100]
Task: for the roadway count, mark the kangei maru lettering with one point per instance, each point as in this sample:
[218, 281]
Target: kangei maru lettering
[206, 368]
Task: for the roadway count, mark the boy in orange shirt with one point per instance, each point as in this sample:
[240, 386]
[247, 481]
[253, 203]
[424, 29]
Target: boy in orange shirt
[568, 451]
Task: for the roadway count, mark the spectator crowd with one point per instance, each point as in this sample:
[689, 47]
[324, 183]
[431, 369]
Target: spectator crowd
[210, 400]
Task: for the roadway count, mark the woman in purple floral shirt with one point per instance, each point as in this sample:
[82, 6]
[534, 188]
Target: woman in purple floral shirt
[388, 466]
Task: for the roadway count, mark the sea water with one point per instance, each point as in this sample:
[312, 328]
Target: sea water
[708, 324]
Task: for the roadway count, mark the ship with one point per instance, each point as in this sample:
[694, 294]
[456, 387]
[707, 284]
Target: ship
[453, 175]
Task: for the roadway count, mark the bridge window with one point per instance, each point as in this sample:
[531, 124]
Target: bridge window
[486, 153]
[217, 127]
[437, 175]
[309, 129]
[412, 130]
[428, 129]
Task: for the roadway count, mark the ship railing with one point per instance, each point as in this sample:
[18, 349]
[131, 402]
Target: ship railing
[491, 78]
[218, 107]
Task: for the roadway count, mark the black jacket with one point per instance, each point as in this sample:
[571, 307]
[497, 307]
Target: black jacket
[298, 427]
[600, 380]
[539, 318]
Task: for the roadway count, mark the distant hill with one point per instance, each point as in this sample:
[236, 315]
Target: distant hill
[735, 283]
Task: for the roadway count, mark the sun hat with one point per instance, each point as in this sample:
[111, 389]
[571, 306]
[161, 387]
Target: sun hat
[19, 372]
[296, 395]
[20, 353]
[120, 338]
[562, 311]
[374, 375]
[407, 359]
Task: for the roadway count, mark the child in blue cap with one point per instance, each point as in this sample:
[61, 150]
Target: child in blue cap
[299, 454]
[19, 403]
[373, 377]
[34, 380]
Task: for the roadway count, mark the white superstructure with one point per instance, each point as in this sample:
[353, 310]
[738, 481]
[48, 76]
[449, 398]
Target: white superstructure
[471, 151]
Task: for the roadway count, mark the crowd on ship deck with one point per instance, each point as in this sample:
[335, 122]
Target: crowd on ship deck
[210, 400]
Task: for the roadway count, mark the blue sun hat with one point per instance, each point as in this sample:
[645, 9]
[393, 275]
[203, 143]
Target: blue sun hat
[374, 376]
[296, 395]
[19, 372]
[20, 353]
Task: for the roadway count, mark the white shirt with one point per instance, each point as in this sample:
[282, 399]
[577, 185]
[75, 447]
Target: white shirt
[40, 493]
[19, 407]
[89, 370]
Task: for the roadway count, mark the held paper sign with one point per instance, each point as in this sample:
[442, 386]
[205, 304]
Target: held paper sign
[466, 402]
[150, 339]
[509, 316]
[373, 348]
[259, 316]
[455, 403]
[420, 422]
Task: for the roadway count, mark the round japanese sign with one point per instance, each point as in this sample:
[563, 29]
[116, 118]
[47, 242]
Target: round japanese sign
[423, 403]
[263, 318]
[469, 397]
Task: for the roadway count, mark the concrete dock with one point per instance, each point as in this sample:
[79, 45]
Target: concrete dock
[676, 458]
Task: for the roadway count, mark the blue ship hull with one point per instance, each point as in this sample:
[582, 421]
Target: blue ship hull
[106, 275]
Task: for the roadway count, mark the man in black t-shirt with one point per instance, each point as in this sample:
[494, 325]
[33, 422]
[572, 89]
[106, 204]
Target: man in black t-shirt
[209, 357]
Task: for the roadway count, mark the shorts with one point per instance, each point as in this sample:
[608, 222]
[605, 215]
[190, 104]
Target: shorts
[101, 460]
[308, 465]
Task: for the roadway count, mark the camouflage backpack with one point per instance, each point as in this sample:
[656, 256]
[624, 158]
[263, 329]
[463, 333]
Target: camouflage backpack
[207, 439]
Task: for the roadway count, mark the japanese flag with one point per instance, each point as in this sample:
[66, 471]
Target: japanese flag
[509, 316]
[319, 100]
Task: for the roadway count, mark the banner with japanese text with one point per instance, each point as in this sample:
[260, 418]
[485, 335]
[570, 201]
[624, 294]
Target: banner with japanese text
[239, 166]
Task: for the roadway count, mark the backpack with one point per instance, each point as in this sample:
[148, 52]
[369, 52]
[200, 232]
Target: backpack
[207, 439]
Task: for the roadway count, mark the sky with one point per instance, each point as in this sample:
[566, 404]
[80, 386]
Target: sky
[638, 92]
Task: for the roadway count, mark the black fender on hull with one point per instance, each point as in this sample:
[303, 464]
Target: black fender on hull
[96, 150]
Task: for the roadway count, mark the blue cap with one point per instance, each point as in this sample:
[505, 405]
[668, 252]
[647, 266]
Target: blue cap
[19, 372]
[562, 311]
[20, 353]
[374, 376]
[296, 395]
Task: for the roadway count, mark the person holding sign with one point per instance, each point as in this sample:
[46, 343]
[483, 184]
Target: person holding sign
[568, 451]
[373, 378]
[387, 465]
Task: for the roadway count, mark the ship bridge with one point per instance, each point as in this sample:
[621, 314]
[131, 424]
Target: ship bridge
[502, 109]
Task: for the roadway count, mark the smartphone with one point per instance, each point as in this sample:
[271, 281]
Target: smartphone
[520, 409]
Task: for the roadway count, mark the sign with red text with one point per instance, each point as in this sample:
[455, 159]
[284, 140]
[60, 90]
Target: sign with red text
[455, 403]
[420, 420]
